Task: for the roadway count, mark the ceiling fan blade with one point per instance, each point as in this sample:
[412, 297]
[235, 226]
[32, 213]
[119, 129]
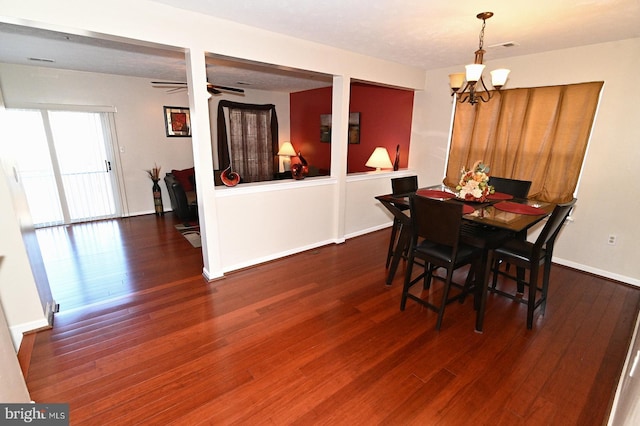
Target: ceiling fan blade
[229, 89]
[169, 83]
[213, 90]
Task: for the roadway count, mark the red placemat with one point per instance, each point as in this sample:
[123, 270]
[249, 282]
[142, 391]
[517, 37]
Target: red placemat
[434, 193]
[510, 207]
[467, 209]
[499, 196]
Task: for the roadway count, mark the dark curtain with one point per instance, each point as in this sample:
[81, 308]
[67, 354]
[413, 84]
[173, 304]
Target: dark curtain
[538, 134]
[251, 142]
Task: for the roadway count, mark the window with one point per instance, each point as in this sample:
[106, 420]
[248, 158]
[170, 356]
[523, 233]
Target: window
[251, 147]
[538, 134]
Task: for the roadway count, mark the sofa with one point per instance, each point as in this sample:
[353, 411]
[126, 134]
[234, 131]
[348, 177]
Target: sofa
[182, 193]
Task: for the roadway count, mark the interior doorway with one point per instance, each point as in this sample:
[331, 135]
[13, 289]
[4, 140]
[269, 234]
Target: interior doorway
[65, 161]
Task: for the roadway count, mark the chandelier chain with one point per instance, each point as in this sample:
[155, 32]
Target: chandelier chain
[481, 44]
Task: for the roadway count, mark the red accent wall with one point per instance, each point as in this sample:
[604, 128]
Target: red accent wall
[385, 120]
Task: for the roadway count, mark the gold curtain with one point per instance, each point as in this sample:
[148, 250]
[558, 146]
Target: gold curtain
[538, 134]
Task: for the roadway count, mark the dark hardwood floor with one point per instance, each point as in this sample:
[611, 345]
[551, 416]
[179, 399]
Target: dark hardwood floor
[315, 338]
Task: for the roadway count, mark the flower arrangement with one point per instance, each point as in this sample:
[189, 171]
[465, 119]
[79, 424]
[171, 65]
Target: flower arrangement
[474, 183]
[154, 173]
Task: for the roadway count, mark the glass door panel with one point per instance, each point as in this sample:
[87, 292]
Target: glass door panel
[84, 164]
[25, 141]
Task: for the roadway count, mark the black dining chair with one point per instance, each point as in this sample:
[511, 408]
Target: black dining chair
[436, 241]
[515, 187]
[399, 186]
[529, 256]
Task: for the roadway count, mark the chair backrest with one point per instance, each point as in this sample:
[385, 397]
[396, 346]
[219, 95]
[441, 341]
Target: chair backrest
[515, 187]
[404, 185]
[554, 224]
[435, 220]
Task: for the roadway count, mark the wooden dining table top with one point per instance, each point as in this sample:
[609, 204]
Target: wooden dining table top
[485, 213]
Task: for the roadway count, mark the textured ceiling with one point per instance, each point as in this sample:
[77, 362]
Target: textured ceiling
[434, 33]
[424, 33]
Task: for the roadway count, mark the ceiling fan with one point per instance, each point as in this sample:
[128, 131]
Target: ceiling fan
[211, 88]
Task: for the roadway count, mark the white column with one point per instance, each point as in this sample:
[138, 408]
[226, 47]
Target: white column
[339, 150]
[203, 161]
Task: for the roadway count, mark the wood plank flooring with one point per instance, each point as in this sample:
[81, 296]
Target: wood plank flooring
[315, 338]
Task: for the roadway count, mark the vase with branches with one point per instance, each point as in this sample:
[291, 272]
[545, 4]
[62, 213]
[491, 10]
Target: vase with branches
[154, 175]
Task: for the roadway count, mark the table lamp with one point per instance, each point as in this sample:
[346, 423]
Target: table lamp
[287, 151]
[379, 159]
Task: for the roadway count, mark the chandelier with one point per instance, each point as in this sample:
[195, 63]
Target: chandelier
[474, 89]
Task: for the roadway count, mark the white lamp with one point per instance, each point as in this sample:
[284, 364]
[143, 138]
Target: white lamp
[379, 159]
[287, 151]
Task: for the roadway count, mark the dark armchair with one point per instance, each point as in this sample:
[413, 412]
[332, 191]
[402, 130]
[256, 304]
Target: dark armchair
[182, 195]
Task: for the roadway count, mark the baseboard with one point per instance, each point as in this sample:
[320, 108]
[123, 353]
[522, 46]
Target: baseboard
[209, 277]
[275, 256]
[17, 331]
[600, 272]
[369, 230]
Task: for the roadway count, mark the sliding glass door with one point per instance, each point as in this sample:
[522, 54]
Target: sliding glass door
[65, 160]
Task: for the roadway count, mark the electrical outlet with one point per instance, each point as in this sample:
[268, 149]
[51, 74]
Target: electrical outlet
[612, 240]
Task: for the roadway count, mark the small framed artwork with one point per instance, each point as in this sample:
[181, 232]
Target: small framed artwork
[325, 128]
[177, 121]
[354, 128]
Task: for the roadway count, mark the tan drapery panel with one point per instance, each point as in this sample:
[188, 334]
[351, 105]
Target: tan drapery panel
[251, 144]
[538, 134]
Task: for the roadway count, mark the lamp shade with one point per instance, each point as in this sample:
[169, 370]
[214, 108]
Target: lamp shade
[379, 159]
[286, 150]
[499, 77]
[474, 72]
[456, 80]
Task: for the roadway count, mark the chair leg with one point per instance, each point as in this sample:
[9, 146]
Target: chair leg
[471, 278]
[428, 274]
[520, 273]
[445, 297]
[496, 269]
[533, 286]
[392, 241]
[545, 284]
[407, 282]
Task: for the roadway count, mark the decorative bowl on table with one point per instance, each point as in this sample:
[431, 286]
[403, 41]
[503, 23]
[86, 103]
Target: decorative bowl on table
[474, 184]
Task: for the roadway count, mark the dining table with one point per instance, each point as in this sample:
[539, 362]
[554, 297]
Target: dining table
[486, 225]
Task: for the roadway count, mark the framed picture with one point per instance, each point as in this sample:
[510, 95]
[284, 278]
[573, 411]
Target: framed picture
[354, 128]
[177, 121]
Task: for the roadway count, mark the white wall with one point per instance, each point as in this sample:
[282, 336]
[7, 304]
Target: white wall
[18, 290]
[141, 139]
[608, 199]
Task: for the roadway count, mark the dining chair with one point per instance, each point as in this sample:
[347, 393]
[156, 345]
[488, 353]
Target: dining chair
[401, 185]
[515, 187]
[530, 256]
[435, 240]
